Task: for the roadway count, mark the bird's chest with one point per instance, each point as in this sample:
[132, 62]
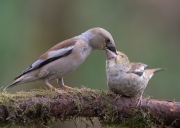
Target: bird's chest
[138, 84]
[126, 84]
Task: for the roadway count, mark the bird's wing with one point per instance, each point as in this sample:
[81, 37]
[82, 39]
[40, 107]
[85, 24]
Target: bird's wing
[137, 68]
[58, 51]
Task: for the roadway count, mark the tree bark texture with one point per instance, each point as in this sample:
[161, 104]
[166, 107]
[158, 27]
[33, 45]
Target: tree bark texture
[43, 107]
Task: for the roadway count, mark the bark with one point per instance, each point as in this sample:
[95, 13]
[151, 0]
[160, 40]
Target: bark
[43, 107]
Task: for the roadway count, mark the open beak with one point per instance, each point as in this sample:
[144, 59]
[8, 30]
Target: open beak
[111, 47]
[110, 54]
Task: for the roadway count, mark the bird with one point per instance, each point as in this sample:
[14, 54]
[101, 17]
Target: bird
[65, 57]
[126, 78]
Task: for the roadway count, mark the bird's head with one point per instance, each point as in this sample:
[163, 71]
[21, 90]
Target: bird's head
[99, 38]
[118, 60]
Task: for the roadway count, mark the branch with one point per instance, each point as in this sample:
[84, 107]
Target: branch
[43, 107]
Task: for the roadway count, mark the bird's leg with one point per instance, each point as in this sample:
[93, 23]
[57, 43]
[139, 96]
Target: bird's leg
[60, 82]
[59, 91]
[140, 99]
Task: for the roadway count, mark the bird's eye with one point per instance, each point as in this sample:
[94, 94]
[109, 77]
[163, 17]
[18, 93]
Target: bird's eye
[122, 56]
[107, 40]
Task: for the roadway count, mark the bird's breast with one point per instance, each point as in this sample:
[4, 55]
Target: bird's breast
[126, 84]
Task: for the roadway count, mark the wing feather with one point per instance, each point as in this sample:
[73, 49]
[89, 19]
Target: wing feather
[137, 68]
[52, 55]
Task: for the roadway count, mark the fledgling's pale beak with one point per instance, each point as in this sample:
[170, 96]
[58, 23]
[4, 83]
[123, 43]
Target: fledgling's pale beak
[110, 54]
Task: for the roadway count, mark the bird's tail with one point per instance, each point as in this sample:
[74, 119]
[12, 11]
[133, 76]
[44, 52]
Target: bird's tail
[23, 79]
[150, 72]
[158, 69]
[16, 82]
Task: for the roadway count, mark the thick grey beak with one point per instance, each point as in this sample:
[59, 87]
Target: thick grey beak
[111, 47]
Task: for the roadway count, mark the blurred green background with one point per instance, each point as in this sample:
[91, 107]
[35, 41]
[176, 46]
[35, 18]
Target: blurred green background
[147, 31]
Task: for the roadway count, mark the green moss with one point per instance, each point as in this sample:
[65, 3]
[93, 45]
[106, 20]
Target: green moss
[108, 116]
[18, 117]
[139, 119]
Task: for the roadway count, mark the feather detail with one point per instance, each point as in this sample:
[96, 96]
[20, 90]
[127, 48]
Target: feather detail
[137, 68]
[16, 82]
[150, 72]
[50, 56]
[21, 80]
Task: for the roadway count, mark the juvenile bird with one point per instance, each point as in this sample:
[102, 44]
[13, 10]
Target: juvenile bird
[65, 57]
[126, 78]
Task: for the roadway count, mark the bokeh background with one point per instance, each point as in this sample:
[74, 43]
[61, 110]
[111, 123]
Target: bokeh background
[147, 31]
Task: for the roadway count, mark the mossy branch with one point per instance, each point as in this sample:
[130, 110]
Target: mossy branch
[43, 107]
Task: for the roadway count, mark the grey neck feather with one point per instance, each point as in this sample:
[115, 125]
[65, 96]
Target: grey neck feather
[86, 36]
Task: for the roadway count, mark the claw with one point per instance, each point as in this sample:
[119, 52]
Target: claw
[67, 87]
[60, 91]
[139, 101]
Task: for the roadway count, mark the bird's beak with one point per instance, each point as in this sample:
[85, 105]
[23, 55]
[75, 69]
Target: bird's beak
[110, 54]
[111, 47]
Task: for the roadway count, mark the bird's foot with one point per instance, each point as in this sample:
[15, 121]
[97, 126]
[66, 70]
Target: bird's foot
[139, 101]
[67, 87]
[60, 91]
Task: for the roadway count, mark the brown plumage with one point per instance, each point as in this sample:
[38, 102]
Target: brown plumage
[126, 78]
[63, 44]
